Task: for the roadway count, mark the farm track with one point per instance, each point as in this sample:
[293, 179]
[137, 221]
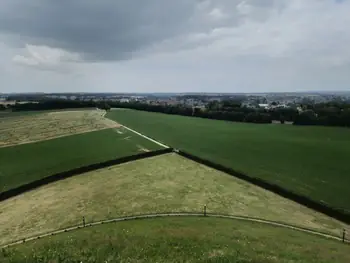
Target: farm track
[140, 134]
[162, 215]
[144, 136]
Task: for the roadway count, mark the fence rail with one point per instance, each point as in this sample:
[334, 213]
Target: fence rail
[342, 236]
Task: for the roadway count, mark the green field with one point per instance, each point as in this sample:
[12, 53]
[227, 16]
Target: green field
[28, 162]
[312, 161]
[180, 240]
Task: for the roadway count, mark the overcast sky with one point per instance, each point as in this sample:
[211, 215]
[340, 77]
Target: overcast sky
[174, 46]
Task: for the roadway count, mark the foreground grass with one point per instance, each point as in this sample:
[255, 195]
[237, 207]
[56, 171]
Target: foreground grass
[180, 240]
[166, 183]
[28, 162]
[312, 161]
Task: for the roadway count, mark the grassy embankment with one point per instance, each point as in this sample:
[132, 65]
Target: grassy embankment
[166, 183]
[180, 240]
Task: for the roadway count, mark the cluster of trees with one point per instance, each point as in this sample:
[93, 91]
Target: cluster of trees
[229, 112]
[325, 114]
[52, 105]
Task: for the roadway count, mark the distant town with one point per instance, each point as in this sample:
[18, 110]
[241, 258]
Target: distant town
[199, 100]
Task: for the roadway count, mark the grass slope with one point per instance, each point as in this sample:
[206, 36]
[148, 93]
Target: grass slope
[25, 163]
[180, 240]
[166, 183]
[312, 161]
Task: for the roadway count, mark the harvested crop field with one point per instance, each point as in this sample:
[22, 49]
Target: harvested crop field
[167, 183]
[44, 126]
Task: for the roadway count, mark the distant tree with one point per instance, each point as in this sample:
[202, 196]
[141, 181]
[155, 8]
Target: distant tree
[282, 119]
[307, 117]
[107, 107]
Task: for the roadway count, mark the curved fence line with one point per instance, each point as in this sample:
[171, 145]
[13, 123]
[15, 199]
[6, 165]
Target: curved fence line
[182, 214]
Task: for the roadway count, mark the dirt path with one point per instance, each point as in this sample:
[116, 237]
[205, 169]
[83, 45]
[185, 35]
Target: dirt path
[142, 135]
[148, 138]
[148, 216]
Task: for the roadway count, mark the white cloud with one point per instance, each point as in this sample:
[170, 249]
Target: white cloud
[244, 8]
[217, 14]
[45, 57]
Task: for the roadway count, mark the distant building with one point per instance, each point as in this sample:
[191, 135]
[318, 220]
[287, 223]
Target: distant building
[264, 106]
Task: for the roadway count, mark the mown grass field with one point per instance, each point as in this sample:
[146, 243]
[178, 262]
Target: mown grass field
[312, 161]
[166, 183]
[49, 125]
[28, 162]
[180, 240]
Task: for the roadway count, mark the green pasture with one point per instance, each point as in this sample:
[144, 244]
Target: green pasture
[25, 163]
[312, 161]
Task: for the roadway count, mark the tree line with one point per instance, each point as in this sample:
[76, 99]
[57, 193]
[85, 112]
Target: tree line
[325, 114]
[227, 111]
[51, 105]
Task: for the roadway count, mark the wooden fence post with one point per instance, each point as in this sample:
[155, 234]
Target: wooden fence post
[344, 235]
[205, 210]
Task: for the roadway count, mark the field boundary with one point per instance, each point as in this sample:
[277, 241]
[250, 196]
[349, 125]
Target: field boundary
[144, 136]
[56, 137]
[303, 200]
[77, 171]
[179, 214]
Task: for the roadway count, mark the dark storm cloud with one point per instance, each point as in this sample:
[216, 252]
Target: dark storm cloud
[114, 29]
[99, 30]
